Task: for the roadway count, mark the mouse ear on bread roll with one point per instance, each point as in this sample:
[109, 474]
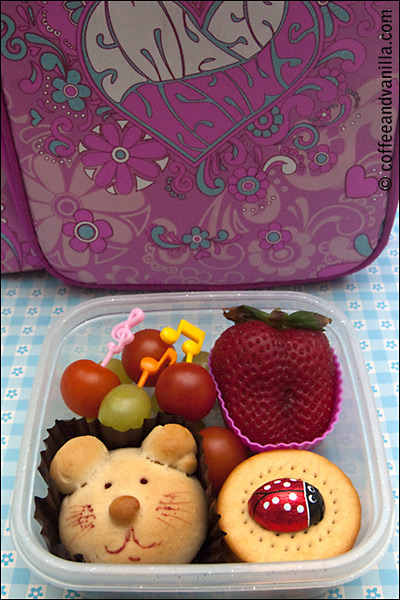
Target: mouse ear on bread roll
[172, 445]
[75, 461]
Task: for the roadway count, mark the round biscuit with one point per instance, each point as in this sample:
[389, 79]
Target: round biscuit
[335, 534]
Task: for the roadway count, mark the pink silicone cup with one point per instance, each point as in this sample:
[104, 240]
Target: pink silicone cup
[306, 445]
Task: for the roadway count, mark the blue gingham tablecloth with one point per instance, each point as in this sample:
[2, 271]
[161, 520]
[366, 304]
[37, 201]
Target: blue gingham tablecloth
[32, 301]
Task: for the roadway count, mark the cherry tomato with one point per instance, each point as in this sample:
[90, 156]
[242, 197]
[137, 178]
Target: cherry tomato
[223, 451]
[145, 343]
[83, 386]
[186, 389]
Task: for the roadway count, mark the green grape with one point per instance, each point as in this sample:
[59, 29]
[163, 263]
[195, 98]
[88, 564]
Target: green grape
[154, 404]
[125, 407]
[115, 365]
[202, 359]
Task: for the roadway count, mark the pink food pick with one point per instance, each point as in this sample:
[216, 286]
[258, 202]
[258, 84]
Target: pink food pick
[122, 334]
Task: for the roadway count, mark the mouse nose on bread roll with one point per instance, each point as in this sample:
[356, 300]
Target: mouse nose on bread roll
[123, 509]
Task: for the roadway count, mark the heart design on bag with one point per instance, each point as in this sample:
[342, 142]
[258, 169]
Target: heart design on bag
[358, 185]
[193, 73]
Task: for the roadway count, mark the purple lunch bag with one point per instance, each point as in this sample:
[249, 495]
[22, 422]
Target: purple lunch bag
[198, 145]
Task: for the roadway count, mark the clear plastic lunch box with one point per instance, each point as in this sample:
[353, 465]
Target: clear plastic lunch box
[355, 445]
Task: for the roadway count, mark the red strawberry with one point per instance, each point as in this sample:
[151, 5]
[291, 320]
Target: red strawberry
[277, 375]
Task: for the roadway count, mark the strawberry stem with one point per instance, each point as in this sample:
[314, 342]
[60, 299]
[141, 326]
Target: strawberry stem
[279, 319]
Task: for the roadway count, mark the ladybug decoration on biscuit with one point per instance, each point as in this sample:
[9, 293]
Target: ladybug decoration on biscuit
[286, 505]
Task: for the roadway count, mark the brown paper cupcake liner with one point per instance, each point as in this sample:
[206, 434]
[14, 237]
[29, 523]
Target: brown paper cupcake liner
[47, 509]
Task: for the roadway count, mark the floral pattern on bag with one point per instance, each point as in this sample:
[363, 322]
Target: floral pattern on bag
[228, 155]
